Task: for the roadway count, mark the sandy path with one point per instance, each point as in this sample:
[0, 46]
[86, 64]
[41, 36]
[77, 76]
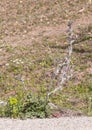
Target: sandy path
[63, 123]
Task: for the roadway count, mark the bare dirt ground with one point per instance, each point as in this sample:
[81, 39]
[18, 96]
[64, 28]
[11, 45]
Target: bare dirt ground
[18, 27]
[45, 31]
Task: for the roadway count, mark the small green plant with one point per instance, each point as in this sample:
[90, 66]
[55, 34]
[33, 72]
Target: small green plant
[12, 108]
[35, 107]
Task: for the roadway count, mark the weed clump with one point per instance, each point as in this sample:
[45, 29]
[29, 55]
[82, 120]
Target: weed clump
[32, 106]
[35, 107]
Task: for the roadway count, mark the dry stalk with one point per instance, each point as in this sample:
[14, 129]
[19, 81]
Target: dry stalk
[63, 71]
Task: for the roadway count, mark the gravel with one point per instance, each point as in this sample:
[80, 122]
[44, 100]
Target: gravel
[63, 123]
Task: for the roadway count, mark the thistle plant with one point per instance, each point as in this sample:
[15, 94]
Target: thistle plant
[63, 71]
